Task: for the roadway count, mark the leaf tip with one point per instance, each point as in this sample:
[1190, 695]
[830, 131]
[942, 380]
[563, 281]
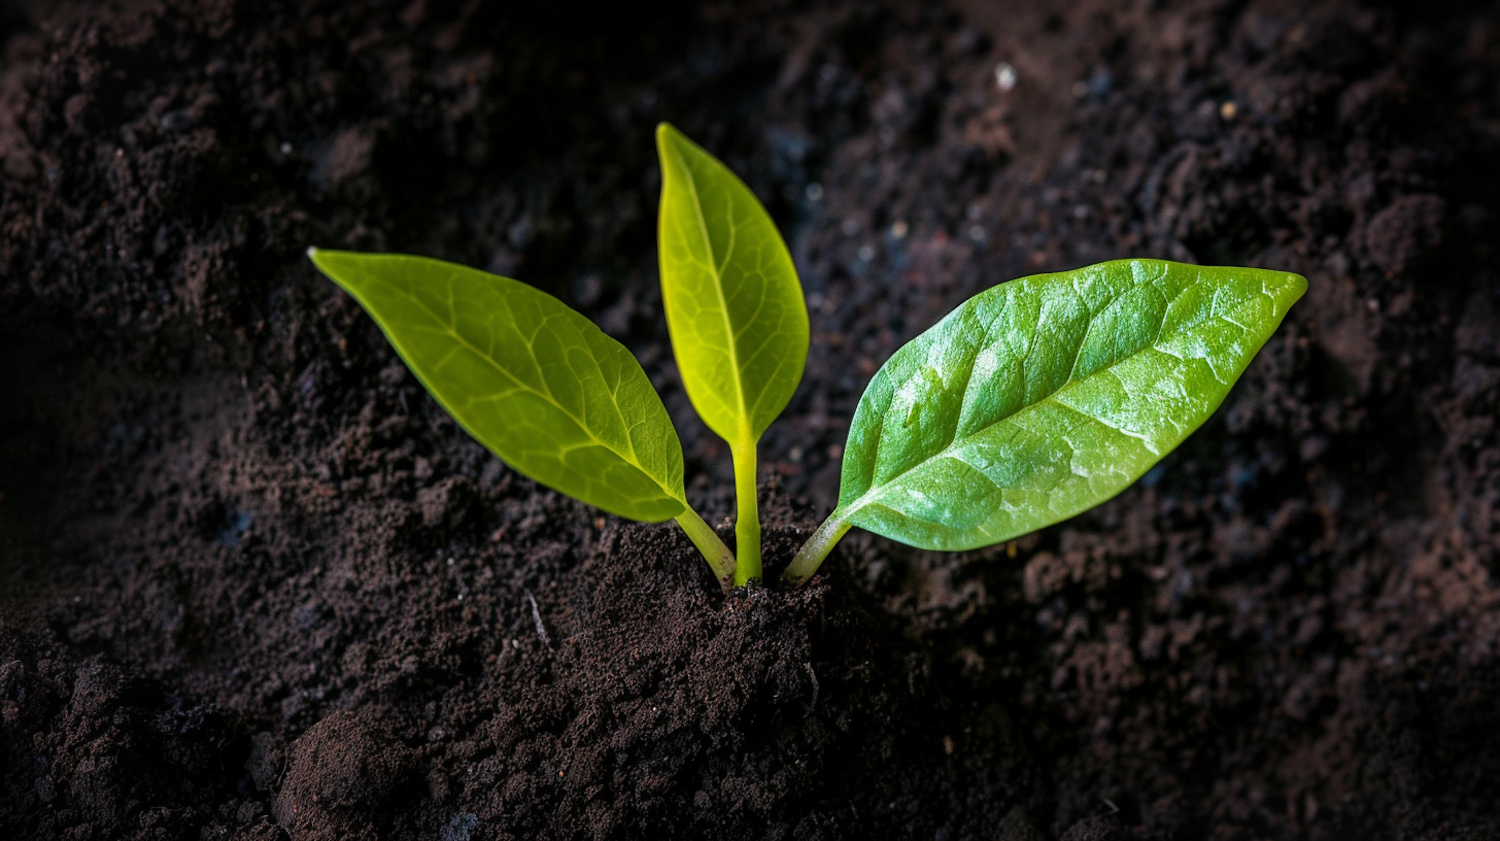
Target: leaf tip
[668, 137]
[1291, 288]
[312, 252]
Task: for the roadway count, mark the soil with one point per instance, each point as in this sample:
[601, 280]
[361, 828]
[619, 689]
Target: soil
[255, 585]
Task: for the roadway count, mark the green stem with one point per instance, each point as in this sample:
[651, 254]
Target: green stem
[812, 553]
[714, 551]
[747, 526]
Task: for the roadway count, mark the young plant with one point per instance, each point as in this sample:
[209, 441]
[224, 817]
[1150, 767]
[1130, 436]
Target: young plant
[735, 312]
[1029, 403]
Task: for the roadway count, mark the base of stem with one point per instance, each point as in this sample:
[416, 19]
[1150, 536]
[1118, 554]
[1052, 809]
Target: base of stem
[815, 550]
[707, 540]
[747, 524]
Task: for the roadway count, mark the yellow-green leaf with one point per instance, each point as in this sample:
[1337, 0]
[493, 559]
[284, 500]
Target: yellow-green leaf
[531, 379]
[734, 304]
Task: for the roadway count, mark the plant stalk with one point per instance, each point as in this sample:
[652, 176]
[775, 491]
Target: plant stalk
[812, 553]
[747, 525]
[714, 551]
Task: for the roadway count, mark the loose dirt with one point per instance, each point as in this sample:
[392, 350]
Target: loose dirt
[255, 585]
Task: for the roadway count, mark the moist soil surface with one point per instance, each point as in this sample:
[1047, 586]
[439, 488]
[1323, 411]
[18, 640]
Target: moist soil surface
[254, 584]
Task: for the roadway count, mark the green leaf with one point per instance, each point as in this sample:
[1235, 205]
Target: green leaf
[734, 304]
[532, 380]
[1043, 397]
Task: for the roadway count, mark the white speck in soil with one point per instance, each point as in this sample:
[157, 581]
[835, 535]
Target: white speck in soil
[1005, 76]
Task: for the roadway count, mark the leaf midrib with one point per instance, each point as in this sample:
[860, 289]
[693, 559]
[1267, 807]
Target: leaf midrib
[718, 284]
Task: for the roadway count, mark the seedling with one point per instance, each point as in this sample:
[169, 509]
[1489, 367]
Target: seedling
[1031, 402]
[734, 309]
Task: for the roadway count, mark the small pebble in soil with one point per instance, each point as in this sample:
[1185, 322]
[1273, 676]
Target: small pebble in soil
[1005, 76]
[814, 191]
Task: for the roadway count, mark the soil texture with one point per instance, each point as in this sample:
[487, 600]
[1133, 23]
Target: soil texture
[254, 584]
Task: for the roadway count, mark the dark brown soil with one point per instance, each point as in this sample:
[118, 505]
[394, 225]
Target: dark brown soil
[255, 585]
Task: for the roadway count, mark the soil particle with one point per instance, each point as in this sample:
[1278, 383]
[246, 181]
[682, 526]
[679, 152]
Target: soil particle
[342, 780]
[1407, 232]
[1017, 826]
[1095, 829]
